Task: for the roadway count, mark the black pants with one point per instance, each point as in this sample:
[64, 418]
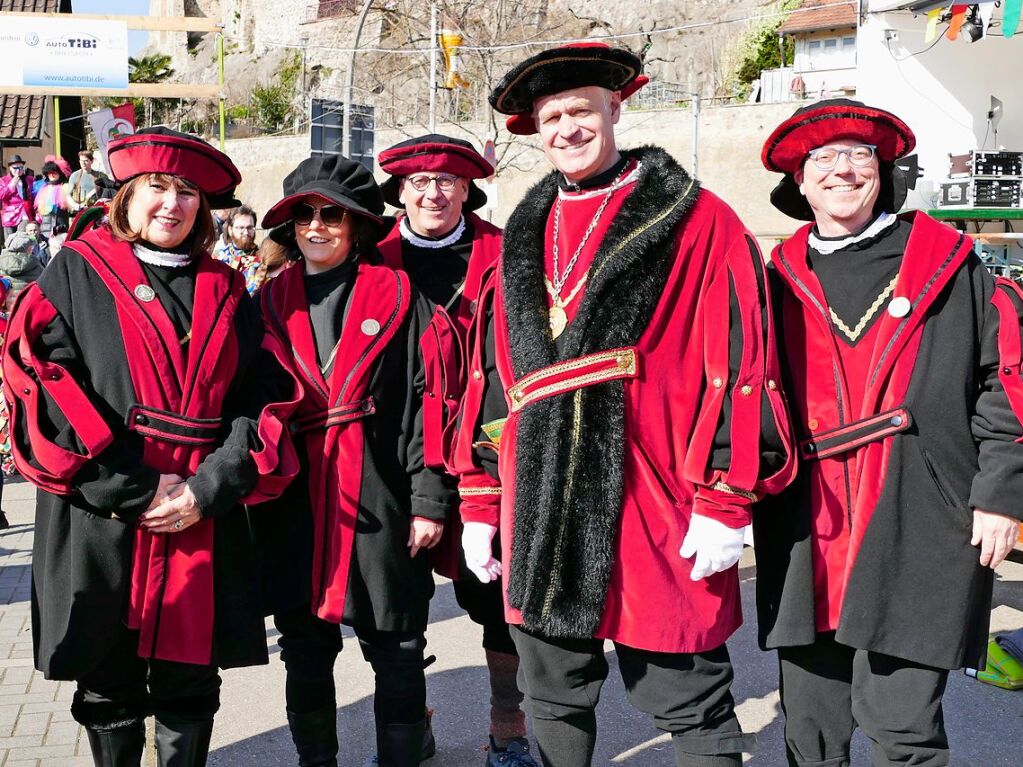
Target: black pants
[688, 694]
[484, 602]
[310, 646]
[123, 688]
[828, 689]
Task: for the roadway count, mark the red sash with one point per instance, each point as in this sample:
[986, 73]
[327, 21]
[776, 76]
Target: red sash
[332, 414]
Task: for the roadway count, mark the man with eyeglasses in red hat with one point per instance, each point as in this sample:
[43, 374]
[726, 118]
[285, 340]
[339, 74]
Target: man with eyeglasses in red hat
[903, 362]
[628, 384]
[449, 253]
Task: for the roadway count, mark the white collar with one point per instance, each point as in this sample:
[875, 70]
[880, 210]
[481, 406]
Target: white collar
[425, 242]
[625, 180]
[827, 246]
[160, 257]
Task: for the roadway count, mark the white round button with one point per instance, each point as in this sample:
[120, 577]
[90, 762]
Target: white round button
[370, 327]
[899, 306]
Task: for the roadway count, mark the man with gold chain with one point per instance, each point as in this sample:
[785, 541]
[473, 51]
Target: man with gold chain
[623, 404]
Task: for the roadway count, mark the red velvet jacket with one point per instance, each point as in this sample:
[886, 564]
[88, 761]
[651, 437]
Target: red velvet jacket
[674, 384]
[445, 363]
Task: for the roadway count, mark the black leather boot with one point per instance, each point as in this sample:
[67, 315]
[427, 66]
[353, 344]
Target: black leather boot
[181, 743]
[400, 745]
[117, 746]
[315, 737]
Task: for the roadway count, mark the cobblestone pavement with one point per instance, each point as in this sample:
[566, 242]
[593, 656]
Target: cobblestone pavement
[985, 724]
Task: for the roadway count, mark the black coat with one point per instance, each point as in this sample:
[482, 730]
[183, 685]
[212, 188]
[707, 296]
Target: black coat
[915, 588]
[387, 589]
[82, 555]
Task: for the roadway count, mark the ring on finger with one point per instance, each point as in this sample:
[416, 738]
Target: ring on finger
[179, 524]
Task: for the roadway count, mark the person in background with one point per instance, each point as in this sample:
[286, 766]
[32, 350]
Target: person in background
[42, 246]
[237, 247]
[82, 189]
[449, 252]
[17, 196]
[19, 264]
[901, 353]
[51, 201]
[147, 406]
[6, 461]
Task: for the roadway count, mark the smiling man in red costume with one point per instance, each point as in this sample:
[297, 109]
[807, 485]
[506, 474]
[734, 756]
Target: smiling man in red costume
[627, 383]
[903, 353]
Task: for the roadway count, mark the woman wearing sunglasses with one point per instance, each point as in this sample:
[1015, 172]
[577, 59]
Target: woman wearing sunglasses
[134, 376]
[346, 544]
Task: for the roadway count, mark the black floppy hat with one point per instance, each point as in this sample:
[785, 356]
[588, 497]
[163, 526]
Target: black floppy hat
[334, 178]
[560, 69]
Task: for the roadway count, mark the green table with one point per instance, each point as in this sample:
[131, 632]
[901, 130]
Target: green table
[977, 214]
[997, 259]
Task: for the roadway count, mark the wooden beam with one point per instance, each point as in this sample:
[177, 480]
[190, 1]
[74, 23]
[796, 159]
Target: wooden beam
[145, 23]
[134, 90]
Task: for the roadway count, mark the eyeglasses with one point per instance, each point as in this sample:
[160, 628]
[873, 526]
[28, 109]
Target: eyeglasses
[421, 181]
[826, 157]
[330, 215]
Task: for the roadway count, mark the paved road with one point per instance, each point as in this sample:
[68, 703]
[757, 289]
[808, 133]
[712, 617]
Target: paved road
[985, 724]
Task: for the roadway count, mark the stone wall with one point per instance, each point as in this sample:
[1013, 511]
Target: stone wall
[730, 139]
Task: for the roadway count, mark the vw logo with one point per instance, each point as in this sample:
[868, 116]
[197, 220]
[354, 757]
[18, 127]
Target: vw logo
[32, 38]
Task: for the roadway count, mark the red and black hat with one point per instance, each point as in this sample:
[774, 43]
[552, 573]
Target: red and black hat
[560, 69]
[434, 153]
[162, 150]
[815, 125]
[333, 178]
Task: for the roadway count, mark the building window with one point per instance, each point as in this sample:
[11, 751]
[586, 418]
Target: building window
[326, 134]
[834, 52]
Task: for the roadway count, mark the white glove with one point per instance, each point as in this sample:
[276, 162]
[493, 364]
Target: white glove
[477, 538]
[716, 546]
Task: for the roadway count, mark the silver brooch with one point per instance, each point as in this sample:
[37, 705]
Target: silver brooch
[144, 293]
[370, 327]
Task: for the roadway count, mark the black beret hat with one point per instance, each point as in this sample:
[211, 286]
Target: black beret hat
[336, 179]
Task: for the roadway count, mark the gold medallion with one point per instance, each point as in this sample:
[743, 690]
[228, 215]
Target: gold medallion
[558, 320]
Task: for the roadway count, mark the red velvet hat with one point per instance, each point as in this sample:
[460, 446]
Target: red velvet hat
[162, 150]
[434, 153]
[815, 125]
[560, 69]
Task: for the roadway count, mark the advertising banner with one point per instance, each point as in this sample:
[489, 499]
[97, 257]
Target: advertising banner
[64, 53]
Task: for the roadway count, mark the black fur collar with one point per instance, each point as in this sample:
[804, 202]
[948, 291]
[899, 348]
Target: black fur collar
[570, 448]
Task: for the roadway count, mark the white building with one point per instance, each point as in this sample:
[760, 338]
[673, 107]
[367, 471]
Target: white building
[942, 88]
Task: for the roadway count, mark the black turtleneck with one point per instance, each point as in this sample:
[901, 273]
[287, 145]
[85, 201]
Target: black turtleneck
[854, 276]
[174, 286]
[328, 293]
[593, 182]
[438, 272]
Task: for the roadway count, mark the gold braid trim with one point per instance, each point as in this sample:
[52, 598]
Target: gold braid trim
[853, 334]
[726, 488]
[477, 492]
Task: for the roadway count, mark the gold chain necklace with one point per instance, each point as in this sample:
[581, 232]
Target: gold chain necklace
[557, 317]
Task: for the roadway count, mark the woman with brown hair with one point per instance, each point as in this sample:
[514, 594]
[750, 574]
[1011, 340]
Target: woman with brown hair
[141, 396]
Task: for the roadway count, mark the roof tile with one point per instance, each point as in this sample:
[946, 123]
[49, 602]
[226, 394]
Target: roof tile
[811, 17]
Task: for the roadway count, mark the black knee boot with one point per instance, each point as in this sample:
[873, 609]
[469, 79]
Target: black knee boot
[182, 743]
[400, 745]
[315, 737]
[117, 746]
[567, 742]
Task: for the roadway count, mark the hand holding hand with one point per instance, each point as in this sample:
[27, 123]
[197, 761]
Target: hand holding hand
[168, 487]
[174, 515]
[424, 534]
[715, 546]
[477, 539]
[996, 534]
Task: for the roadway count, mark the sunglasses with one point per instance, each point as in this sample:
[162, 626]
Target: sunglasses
[330, 215]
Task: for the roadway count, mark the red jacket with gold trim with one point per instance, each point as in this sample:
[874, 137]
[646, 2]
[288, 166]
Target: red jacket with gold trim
[663, 386]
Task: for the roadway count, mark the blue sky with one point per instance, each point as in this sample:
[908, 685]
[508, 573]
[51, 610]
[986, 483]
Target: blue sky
[122, 8]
